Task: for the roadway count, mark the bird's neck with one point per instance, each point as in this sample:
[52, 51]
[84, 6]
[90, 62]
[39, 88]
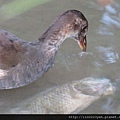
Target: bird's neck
[54, 36]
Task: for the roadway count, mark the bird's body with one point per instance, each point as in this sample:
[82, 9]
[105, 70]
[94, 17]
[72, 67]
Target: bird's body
[17, 63]
[22, 62]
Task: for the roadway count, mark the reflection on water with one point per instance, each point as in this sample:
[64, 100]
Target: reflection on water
[101, 59]
[105, 55]
[110, 19]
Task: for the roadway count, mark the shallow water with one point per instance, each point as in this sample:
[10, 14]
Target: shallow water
[100, 60]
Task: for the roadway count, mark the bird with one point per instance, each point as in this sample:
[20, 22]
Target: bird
[22, 62]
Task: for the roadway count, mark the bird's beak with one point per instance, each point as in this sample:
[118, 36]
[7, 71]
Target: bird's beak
[83, 43]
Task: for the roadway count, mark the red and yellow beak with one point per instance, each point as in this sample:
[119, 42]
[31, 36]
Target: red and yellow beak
[83, 44]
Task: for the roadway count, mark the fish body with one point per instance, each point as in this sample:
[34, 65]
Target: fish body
[70, 97]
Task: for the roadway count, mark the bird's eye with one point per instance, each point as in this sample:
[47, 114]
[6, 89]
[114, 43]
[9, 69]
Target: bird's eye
[84, 30]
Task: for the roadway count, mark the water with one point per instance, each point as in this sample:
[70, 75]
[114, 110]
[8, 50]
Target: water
[100, 60]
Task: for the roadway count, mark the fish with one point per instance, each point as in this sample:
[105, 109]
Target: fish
[71, 97]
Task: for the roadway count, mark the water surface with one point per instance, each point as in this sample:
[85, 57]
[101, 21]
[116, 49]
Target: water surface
[100, 60]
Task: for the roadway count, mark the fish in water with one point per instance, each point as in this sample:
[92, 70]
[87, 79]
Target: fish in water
[70, 97]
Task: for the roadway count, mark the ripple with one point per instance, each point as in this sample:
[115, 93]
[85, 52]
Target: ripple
[110, 19]
[105, 55]
[85, 53]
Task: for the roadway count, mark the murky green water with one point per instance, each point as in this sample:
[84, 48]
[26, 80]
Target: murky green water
[101, 59]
